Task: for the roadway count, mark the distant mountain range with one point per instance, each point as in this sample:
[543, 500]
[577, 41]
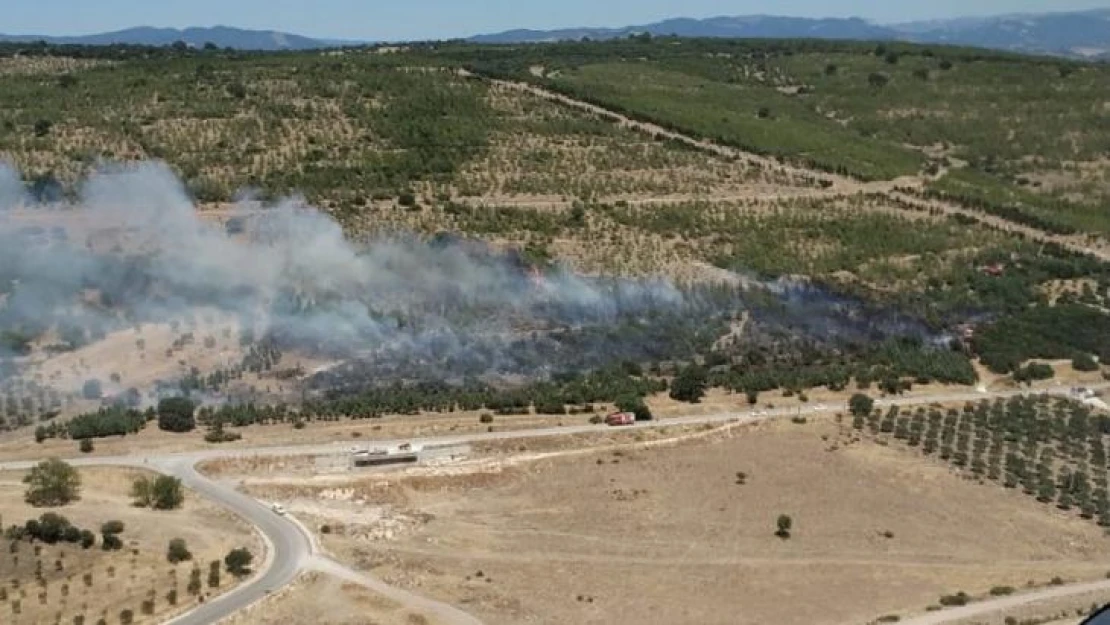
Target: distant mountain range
[222, 36]
[1079, 34]
[1083, 34]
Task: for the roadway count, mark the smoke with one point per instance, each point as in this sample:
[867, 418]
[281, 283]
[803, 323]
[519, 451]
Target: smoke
[133, 249]
[12, 194]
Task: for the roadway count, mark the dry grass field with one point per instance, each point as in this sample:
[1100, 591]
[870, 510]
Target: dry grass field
[318, 598]
[633, 536]
[96, 584]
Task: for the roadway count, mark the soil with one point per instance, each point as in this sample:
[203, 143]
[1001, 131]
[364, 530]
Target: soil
[318, 598]
[630, 535]
[119, 579]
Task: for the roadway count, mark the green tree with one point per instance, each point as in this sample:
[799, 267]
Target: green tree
[238, 562]
[85, 446]
[178, 551]
[860, 405]
[783, 526]
[636, 406]
[689, 385]
[175, 414]
[167, 493]
[52, 483]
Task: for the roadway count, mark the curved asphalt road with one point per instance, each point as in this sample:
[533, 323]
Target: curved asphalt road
[288, 548]
[291, 551]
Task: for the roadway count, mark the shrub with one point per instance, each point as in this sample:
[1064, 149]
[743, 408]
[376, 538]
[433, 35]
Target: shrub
[52, 483]
[860, 405]
[958, 599]
[238, 562]
[167, 493]
[110, 542]
[1084, 362]
[783, 526]
[178, 551]
[85, 445]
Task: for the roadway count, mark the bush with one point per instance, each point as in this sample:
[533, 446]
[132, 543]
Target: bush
[1002, 591]
[958, 599]
[1084, 362]
[690, 384]
[52, 483]
[485, 418]
[167, 493]
[238, 562]
[178, 551]
[85, 445]
[860, 405]
[783, 526]
[141, 490]
[112, 527]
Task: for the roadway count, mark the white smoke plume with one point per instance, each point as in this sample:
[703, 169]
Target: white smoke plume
[133, 248]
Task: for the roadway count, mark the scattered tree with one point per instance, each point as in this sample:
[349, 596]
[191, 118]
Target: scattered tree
[52, 483]
[860, 405]
[175, 414]
[238, 562]
[783, 525]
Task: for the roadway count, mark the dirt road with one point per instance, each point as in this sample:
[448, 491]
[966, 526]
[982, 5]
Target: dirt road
[838, 185]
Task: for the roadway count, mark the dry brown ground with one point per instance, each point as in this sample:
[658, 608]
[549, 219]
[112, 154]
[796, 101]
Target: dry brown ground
[1057, 612]
[318, 598]
[668, 535]
[122, 579]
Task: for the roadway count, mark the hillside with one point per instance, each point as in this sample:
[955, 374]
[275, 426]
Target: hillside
[1084, 34]
[790, 214]
[220, 36]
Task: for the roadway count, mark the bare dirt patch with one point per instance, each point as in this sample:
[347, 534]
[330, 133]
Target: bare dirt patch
[876, 531]
[101, 584]
[319, 598]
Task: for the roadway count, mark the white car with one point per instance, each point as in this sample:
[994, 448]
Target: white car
[278, 508]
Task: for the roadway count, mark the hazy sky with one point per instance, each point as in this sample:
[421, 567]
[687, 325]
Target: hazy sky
[433, 19]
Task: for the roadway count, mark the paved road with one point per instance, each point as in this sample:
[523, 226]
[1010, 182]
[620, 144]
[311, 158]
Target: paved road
[291, 549]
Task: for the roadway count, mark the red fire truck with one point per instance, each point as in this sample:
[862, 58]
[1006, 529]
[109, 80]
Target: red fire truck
[620, 418]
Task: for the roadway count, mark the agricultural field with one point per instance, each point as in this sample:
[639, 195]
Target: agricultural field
[51, 580]
[876, 530]
[864, 259]
[1016, 135]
